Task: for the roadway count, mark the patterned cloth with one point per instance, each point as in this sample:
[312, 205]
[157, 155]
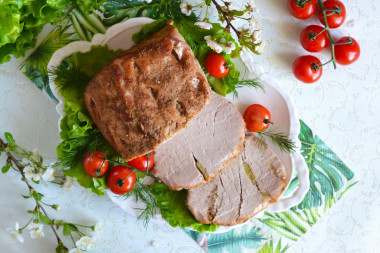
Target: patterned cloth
[330, 178]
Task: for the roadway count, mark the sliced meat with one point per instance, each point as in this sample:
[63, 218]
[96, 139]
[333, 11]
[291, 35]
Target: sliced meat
[147, 94]
[246, 187]
[205, 147]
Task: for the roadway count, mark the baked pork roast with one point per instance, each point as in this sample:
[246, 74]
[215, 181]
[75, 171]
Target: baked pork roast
[205, 147]
[148, 94]
[246, 187]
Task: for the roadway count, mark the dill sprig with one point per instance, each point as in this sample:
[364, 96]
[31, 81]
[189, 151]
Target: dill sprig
[142, 193]
[252, 83]
[279, 139]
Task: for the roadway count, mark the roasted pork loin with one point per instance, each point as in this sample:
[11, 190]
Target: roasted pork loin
[205, 147]
[246, 187]
[148, 94]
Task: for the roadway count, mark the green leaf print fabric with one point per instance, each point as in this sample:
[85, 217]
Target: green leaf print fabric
[329, 177]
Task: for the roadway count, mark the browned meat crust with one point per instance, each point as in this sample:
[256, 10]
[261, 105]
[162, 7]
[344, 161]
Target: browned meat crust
[147, 94]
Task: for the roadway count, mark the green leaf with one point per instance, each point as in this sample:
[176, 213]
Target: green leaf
[327, 172]
[173, 208]
[73, 227]
[235, 239]
[44, 219]
[118, 10]
[9, 138]
[66, 230]
[269, 248]
[26, 196]
[37, 195]
[5, 168]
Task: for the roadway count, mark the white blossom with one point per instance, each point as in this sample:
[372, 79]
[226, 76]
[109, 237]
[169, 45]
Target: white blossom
[213, 44]
[186, 8]
[256, 36]
[252, 4]
[35, 154]
[98, 229]
[85, 243]
[16, 233]
[75, 250]
[36, 230]
[205, 24]
[229, 47]
[30, 173]
[148, 1]
[261, 48]
[48, 175]
[25, 161]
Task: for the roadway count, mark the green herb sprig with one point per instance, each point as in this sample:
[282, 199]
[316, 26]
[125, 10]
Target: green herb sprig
[279, 139]
[39, 215]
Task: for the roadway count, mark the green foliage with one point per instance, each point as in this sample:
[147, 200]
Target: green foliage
[78, 133]
[173, 208]
[235, 239]
[327, 173]
[269, 248]
[194, 36]
[23, 20]
[117, 10]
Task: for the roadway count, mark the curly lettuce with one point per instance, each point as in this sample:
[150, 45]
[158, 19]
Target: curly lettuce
[78, 133]
[173, 208]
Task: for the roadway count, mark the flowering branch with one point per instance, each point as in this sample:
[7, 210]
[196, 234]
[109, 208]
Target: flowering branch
[226, 18]
[30, 169]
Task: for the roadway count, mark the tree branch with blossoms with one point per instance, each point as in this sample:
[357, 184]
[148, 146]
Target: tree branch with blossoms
[248, 36]
[32, 169]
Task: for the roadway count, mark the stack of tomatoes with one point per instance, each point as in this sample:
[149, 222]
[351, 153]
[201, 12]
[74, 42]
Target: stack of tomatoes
[315, 38]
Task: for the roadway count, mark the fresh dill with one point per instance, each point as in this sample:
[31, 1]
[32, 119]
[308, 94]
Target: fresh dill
[142, 193]
[252, 83]
[279, 139]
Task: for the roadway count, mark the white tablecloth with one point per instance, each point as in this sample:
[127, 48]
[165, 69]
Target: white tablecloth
[343, 108]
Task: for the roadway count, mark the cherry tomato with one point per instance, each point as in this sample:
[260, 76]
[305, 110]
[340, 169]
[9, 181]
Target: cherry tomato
[302, 11]
[313, 43]
[142, 162]
[346, 54]
[216, 65]
[94, 165]
[307, 68]
[257, 118]
[334, 20]
[121, 179]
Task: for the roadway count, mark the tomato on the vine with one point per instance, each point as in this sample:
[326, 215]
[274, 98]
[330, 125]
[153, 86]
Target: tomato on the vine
[346, 54]
[94, 164]
[216, 65]
[257, 118]
[334, 18]
[302, 10]
[307, 68]
[121, 179]
[312, 43]
[142, 162]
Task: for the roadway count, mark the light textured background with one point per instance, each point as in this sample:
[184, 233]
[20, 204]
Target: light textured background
[343, 108]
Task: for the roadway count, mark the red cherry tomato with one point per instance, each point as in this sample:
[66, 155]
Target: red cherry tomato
[302, 11]
[336, 19]
[216, 65]
[313, 43]
[257, 118]
[142, 162]
[121, 179]
[346, 54]
[307, 68]
[94, 165]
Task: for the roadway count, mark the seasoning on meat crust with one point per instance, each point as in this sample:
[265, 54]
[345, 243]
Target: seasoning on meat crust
[148, 94]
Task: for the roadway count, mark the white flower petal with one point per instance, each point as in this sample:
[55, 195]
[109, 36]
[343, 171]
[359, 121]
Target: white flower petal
[186, 8]
[48, 175]
[85, 243]
[204, 25]
[75, 250]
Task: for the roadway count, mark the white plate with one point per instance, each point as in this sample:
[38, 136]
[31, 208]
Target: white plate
[278, 102]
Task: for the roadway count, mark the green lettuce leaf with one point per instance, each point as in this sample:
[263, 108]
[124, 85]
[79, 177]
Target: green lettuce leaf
[78, 133]
[173, 208]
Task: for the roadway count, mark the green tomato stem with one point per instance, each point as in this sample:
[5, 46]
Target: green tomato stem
[327, 28]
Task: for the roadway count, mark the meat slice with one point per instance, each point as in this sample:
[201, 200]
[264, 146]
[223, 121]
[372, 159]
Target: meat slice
[246, 187]
[147, 94]
[205, 147]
